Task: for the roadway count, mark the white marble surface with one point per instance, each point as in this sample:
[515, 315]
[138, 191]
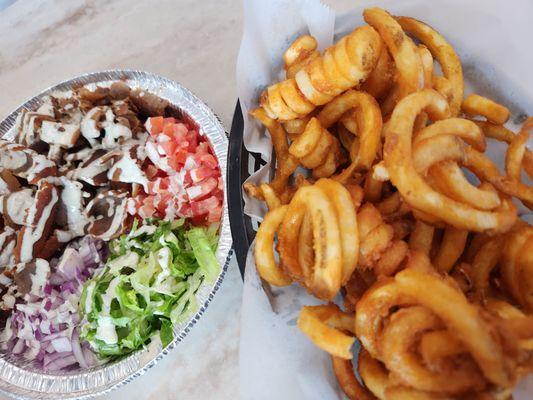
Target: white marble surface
[193, 42]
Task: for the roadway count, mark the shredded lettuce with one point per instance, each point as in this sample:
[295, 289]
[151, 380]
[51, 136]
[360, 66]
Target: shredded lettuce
[148, 284]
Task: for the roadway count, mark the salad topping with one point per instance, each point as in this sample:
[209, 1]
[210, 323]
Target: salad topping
[147, 285]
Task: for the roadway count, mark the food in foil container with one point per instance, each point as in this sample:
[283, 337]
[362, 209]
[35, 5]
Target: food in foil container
[111, 202]
[435, 269]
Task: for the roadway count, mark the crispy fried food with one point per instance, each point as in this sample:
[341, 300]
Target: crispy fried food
[264, 253]
[422, 302]
[502, 134]
[517, 266]
[329, 209]
[416, 192]
[483, 263]
[475, 105]
[515, 157]
[381, 79]
[409, 69]
[345, 210]
[444, 53]
[417, 230]
[378, 247]
[369, 123]
[422, 237]
[317, 149]
[452, 246]
[299, 54]
[324, 275]
[324, 325]
[286, 163]
[350, 385]
[343, 66]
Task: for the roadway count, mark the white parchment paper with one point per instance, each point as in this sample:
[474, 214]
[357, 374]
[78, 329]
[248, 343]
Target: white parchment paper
[493, 39]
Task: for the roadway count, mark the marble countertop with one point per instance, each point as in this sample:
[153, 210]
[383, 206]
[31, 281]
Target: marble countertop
[43, 42]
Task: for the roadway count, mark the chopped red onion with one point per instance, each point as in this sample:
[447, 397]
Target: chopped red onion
[44, 328]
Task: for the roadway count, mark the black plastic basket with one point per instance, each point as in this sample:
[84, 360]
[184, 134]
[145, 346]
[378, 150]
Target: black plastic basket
[240, 162]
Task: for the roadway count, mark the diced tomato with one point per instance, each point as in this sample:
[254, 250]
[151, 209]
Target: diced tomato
[181, 156]
[199, 174]
[186, 210]
[209, 161]
[174, 164]
[192, 138]
[169, 146]
[214, 215]
[162, 202]
[180, 132]
[187, 180]
[202, 189]
[193, 187]
[204, 206]
[164, 183]
[169, 120]
[147, 210]
[154, 125]
[168, 130]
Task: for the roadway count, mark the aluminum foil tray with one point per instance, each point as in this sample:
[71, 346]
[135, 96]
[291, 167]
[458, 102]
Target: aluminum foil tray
[21, 380]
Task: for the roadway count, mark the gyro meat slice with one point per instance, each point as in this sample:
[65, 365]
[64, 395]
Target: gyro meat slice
[8, 240]
[117, 131]
[128, 167]
[100, 125]
[30, 277]
[28, 123]
[38, 223]
[94, 170]
[109, 214]
[8, 182]
[149, 104]
[61, 134]
[14, 207]
[24, 162]
[90, 98]
[91, 124]
[71, 215]
[119, 90]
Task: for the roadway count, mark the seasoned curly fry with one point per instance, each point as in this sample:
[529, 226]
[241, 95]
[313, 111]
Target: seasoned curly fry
[445, 55]
[342, 67]
[323, 325]
[436, 265]
[475, 105]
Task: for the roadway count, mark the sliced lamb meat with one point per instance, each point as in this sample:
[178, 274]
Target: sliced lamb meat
[38, 223]
[8, 182]
[110, 218]
[128, 167]
[116, 130]
[7, 246]
[148, 104]
[14, 207]
[71, 214]
[91, 124]
[24, 162]
[119, 90]
[58, 133]
[31, 277]
[90, 98]
[102, 120]
[94, 170]
[29, 123]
